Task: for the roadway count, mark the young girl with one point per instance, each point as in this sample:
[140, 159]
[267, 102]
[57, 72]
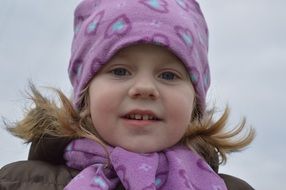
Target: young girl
[138, 117]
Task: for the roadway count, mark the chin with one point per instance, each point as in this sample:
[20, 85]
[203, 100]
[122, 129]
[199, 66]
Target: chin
[143, 148]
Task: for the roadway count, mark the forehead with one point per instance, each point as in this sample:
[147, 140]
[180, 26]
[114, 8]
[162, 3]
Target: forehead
[143, 50]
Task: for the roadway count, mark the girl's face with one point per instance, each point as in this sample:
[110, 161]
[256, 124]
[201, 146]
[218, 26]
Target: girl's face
[142, 99]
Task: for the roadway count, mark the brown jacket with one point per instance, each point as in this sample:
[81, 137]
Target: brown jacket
[45, 170]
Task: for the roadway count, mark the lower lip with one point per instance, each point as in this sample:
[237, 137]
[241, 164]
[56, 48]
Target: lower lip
[139, 123]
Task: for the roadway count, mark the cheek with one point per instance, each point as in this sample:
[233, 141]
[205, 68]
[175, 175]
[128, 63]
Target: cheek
[104, 103]
[100, 104]
[100, 109]
[180, 117]
[182, 106]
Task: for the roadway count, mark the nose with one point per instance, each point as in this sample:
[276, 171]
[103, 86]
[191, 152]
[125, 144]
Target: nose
[144, 88]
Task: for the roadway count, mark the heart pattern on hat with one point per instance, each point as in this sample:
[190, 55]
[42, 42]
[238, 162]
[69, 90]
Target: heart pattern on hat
[207, 78]
[186, 35]
[194, 75]
[156, 5]
[119, 27]
[76, 72]
[161, 39]
[93, 25]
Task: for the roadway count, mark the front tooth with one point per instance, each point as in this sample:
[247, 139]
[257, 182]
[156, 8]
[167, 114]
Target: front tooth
[137, 116]
[145, 117]
[150, 117]
[132, 116]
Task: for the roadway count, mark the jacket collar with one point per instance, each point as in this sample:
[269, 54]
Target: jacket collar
[49, 149]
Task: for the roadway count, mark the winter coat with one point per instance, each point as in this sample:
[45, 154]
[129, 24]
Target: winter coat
[45, 170]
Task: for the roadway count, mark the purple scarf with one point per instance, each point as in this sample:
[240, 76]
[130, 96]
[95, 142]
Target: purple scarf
[174, 168]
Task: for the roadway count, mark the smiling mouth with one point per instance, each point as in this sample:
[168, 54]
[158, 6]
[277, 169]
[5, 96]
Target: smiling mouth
[144, 117]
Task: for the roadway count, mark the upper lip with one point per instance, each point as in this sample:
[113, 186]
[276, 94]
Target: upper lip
[142, 112]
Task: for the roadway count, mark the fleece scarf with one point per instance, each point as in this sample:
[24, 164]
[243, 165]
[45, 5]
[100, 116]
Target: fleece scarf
[173, 168]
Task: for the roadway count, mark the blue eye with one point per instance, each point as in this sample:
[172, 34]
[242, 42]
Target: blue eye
[120, 72]
[168, 75]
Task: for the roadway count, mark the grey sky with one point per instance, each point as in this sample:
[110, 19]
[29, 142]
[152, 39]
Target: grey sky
[247, 59]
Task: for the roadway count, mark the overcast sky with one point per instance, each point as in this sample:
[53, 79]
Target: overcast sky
[247, 59]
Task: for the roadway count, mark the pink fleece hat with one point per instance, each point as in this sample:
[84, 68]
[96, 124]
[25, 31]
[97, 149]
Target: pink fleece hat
[102, 27]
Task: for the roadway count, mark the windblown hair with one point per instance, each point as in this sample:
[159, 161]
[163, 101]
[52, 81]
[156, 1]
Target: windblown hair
[204, 135]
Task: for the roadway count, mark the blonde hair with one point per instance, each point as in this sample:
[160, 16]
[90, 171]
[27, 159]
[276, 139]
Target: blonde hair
[204, 135]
